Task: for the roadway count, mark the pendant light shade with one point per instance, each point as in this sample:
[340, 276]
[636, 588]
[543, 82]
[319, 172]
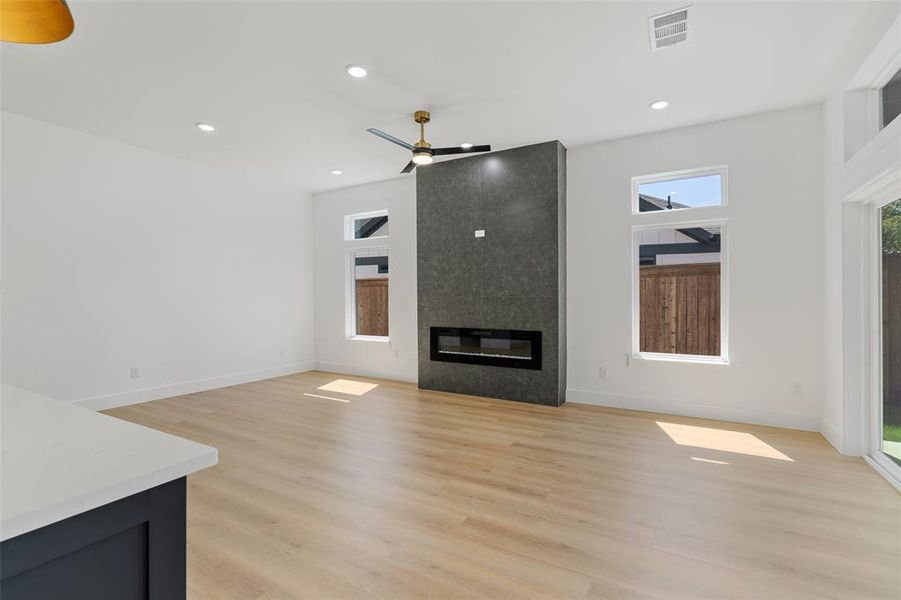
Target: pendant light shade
[35, 21]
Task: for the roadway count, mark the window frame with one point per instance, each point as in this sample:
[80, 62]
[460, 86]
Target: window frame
[863, 103]
[353, 245]
[635, 273]
[874, 195]
[880, 100]
[721, 170]
[350, 220]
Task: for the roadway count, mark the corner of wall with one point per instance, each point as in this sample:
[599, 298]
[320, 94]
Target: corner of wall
[832, 434]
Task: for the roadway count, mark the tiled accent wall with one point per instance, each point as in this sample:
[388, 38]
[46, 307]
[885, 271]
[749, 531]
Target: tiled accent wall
[512, 278]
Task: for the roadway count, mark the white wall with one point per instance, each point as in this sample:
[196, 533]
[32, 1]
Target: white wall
[396, 359]
[116, 257]
[845, 318]
[775, 213]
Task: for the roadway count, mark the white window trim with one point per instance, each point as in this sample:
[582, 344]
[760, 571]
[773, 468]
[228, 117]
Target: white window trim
[350, 295]
[349, 221]
[352, 246]
[882, 63]
[372, 338]
[721, 170]
[874, 73]
[877, 193]
[637, 354]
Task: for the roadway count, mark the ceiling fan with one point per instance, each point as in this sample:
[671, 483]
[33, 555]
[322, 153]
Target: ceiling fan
[423, 152]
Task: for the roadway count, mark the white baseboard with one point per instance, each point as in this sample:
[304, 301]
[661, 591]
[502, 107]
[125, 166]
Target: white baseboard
[351, 369]
[704, 411]
[829, 432]
[188, 387]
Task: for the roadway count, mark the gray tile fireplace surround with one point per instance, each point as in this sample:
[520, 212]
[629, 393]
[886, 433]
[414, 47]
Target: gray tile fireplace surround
[512, 278]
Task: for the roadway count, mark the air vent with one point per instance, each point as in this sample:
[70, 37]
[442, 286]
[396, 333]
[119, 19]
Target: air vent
[669, 29]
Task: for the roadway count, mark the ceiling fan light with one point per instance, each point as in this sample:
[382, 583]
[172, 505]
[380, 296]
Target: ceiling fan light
[422, 158]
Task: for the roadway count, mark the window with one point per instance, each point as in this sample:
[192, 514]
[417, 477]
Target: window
[890, 98]
[679, 269]
[889, 409]
[370, 296]
[696, 188]
[367, 298]
[368, 226]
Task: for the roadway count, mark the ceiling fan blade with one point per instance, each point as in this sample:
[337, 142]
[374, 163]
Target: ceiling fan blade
[390, 138]
[460, 150]
[410, 166]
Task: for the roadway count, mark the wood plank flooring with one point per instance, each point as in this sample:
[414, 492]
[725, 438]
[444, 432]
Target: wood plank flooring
[400, 493]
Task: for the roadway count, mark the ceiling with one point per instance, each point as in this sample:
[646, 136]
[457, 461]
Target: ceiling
[270, 75]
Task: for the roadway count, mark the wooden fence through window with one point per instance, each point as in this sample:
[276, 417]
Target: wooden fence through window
[680, 309]
[372, 306]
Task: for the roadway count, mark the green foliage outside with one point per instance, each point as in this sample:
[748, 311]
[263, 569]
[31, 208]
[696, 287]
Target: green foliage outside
[891, 228]
[891, 244]
[891, 433]
[891, 422]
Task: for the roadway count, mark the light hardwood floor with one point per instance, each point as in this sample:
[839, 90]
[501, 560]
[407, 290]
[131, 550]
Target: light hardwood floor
[399, 493]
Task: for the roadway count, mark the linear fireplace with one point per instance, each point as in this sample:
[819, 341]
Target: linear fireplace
[497, 347]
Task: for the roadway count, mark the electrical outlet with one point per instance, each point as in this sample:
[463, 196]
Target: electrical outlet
[797, 388]
[602, 372]
[134, 373]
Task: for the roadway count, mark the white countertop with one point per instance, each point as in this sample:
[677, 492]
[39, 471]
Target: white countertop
[59, 460]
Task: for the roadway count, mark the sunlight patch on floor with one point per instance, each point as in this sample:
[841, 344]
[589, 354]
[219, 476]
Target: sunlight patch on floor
[346, 386]
[325, 397]
[738, 442]
[709, 460]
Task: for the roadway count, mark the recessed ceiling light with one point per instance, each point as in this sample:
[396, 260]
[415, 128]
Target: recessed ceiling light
[355, 71]
[466, 145]
[205, 127]
[659, 105]
[336, 171]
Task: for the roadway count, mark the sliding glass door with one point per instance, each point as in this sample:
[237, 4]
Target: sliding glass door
[887, 399]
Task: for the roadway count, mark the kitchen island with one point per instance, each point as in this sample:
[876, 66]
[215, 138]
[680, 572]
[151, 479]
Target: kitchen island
[90, 506]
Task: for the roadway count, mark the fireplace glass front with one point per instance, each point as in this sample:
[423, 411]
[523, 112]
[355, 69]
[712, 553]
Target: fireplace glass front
[497, 347]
